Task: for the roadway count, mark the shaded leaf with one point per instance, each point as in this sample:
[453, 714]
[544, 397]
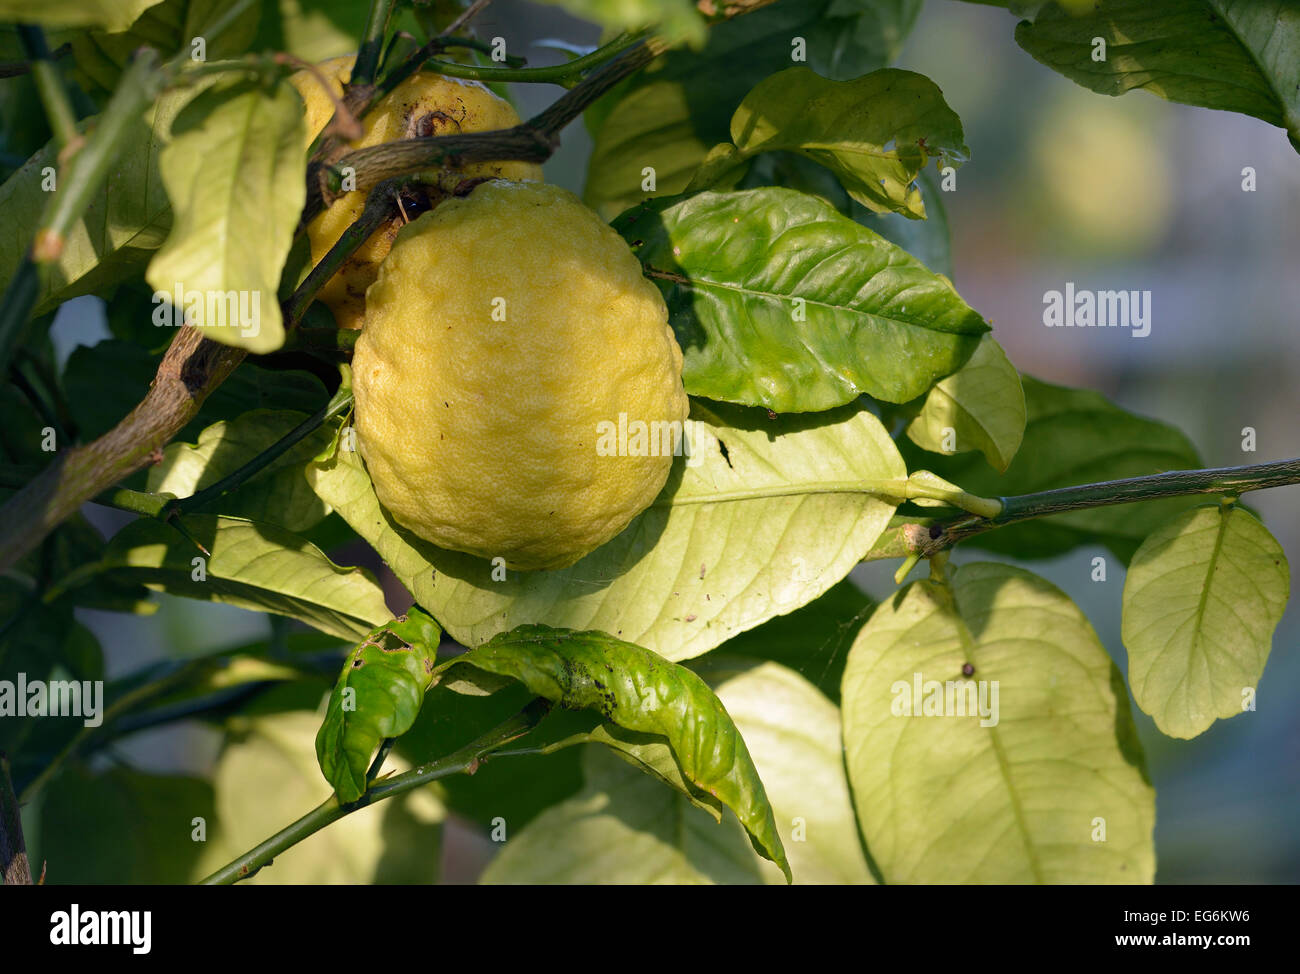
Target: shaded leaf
[1202, 598]
[127, 219]
[875, 133]
[674, 20]
[1225, 54]
[92, 826]
[254, 566]
[732, 541]
[982, 403]
[234, 171]
[168, 27]
[641, 692]
[267, 777]
[626, 828]
[378, 695]
[668, 116]
[277, 494]
[780, 301]
[1044, 783]
[108, 14]
[814, 640]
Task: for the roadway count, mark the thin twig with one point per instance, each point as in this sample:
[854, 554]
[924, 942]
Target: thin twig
[942, 534]
[465, 760]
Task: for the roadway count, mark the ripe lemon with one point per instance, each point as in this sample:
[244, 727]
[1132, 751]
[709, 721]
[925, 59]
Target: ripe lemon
[509, 335]
[424, 104]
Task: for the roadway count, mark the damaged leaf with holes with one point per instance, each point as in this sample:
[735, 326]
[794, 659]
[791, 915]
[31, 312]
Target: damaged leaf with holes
[639, 691]
[378, 696]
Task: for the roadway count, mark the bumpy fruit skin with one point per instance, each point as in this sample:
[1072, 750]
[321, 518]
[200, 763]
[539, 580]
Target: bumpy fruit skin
[424, 104]
[481, 435]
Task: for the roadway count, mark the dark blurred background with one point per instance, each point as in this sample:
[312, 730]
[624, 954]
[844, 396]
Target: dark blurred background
[1063, 185]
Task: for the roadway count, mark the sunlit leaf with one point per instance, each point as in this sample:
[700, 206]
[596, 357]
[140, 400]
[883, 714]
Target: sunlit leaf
[1027, 770]
[1202, 598]
[780, 301]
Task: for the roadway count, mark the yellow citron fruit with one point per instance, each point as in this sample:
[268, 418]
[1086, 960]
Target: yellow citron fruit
[424, 104]
[518, 388]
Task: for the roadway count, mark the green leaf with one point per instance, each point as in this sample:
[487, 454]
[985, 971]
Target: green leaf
[108, 14]
[674, 20]
[1049, 787]
[732, 541]
[234, 171]
[1073, 436]
[1224, 54]
[927, 240]
[982, 403]
[267, 777]
[100, 56]
[626, 828]
[644, 693]
[814, 640]
[849, 127]
[121, 826]
[278, 494]
[378, 695]
[127, 219]
[779, 301]
[1202, 598]
[670, 115]
[255, 566]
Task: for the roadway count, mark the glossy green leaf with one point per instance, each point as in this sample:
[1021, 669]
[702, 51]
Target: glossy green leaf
[928, 240]
[266, 777]
[254, 566]
[127, 219]
[780, 301]
[625, 827]
[235, 172]
[732, 541]
[1073, 436]
[1042, 783]
[108, 14]
[876, 132]
[378, 695]
[1226, 54]
[667, 117]
[1202, 598]
[644, 693]
[278, 494]
[981, 407]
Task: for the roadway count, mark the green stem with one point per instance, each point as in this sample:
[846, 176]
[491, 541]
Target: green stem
[1175, 483]
[381, 206]
[49, 86]
[565, 74]
[372, 42]
[16, 309]
[183, 505]
[89, 168]
[465, 760]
